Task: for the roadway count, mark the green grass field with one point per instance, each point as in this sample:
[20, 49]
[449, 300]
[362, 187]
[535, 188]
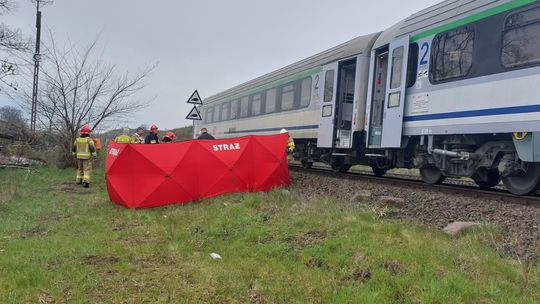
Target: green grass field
[64, 244]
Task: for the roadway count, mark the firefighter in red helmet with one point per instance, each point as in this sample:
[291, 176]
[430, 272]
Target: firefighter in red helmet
[84, 150]
[152, 137]
[169, 136]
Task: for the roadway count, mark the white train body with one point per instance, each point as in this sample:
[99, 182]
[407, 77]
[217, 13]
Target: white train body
[452, 90]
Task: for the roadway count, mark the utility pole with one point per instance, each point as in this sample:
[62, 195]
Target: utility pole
[37, 59]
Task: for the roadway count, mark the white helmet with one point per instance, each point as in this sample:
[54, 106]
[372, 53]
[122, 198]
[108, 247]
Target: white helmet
[283, 131]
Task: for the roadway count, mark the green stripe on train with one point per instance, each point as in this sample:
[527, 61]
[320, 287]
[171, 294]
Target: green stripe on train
[487, 13]
[271, 85]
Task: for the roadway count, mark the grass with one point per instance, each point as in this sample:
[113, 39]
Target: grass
[60, 243]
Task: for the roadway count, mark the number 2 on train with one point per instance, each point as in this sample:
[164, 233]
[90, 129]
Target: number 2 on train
[425, 51]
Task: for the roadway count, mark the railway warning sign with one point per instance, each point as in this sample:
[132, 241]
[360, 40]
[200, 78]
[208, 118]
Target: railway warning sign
[194, 114]
[195, 98]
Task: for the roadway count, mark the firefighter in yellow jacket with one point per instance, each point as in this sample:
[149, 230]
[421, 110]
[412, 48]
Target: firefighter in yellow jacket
[84, 150]
[124, 138]
[290, 145]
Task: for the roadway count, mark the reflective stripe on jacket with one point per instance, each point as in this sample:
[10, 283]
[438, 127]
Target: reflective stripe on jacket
[83, 148]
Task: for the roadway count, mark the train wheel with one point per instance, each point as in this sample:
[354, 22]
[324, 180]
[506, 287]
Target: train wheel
[378, 171]
[432, 175]
[345, 168]
[524, 183]
[307, 164]
[493, 179]
[338, 165]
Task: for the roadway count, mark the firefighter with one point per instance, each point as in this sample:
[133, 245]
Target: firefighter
[124, 138]
[152, 137]
[168, 137]
[138, 137]
[290, 144]
[84, 150]
[98, 146]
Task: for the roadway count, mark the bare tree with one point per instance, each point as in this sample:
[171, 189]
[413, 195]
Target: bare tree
[11, 41]
[12, 115]
[79, 87]
[6, 6]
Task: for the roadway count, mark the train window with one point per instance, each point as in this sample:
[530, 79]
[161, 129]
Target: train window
[256, 105]
[244, 107]
[234, 109]
[523, 18]
[412, 64]
[215, 114]
[305, 92]
[205, 115]
[521, 39]
[328, 85]
[287, 97]
[394, 100]
[225, 111]
[452, 54]
[270, 106]
[209, 114]
[397, 67]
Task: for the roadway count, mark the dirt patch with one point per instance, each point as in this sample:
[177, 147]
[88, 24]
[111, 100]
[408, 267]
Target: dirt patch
[393, 267]
[99, 260]
[121, 225]
[154, 261]
[146, 265]
[135, 240]
[38, 231]
[45, 298]
[361, 275]
[307, 239]
[267, 239]
[254, 296]
[315, 263]
[67, 187]
[47, 217]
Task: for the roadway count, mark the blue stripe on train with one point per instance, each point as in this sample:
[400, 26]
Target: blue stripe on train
[274, 129]
[474, 113]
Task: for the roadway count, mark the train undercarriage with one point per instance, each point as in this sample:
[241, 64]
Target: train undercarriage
[486, 159]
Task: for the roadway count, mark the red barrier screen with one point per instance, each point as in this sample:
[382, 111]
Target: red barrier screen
[143, 176]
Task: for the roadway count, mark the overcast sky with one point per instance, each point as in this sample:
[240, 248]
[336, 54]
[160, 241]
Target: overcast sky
[208, 45]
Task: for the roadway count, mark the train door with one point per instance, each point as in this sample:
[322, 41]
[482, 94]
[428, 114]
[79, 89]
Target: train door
[335, 128]
[377, 88]
[395, 93]
[325, 137]
[345, 103]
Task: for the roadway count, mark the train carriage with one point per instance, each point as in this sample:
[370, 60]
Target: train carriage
[451, 90]
[301, 98]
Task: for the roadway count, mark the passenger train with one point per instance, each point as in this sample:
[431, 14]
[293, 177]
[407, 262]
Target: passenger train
[453, 90]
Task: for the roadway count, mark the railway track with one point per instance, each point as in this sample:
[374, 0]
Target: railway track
[447, 188]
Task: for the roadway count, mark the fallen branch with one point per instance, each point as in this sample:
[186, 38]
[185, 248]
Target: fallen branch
[14, 167]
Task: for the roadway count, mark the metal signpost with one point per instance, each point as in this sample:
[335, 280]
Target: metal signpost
[194, 114]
